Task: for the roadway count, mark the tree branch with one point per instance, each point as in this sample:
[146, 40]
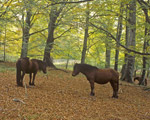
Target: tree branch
[70, 2]
[110, 35]
[3, 13]
[38, 31]
[62, 33]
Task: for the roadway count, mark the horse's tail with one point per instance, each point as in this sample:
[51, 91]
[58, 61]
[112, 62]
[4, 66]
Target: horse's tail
[115, 74]
[18, 72]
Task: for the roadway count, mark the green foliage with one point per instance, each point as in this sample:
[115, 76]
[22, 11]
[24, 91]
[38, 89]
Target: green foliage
[69, 33]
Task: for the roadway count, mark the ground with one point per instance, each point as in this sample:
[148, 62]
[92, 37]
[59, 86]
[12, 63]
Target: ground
[59, 96]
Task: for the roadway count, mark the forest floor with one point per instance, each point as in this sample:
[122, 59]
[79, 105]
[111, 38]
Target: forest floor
[59, 96]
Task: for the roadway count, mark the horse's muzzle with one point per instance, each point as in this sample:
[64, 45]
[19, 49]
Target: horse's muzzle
[73, 74]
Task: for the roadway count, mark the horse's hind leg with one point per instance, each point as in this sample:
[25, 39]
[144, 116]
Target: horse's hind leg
[145, 82]
[34, 74]
[115, 86]
[30, 75]
[92, 88]
[22, 76]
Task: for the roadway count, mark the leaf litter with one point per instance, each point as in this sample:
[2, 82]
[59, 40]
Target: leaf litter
[63, 97]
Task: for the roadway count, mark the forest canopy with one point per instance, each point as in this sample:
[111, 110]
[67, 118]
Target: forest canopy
[104, 33]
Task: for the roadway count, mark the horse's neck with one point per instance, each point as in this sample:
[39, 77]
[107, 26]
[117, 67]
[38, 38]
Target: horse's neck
[83, 71]
[30, 64]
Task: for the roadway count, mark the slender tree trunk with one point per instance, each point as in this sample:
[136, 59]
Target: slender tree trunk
[148, 68]
[67, 62]
[5, 44]
[107, 61]
[118, 36]
[124, 67]
[85, 35]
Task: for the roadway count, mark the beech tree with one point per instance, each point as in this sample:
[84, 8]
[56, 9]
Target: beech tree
[26, 28]
[86, 34]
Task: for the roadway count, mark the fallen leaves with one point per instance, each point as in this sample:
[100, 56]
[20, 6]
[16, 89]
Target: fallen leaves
[63, 97]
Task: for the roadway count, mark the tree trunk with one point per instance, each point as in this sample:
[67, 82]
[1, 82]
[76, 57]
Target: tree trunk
[5, 43]
[132, 29]
[107, 61]
[67, 63]
[118, 36]
[145, 8]
[124, 67]
[54, 13]
[85, 35]
[26, 30]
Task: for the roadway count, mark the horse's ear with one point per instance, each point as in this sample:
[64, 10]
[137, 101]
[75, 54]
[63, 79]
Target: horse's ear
[76, 64]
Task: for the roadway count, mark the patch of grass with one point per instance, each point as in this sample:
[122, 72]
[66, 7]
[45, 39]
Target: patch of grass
[32, 117]
[4, 67]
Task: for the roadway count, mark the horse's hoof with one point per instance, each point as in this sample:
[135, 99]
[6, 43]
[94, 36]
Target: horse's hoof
[92, 94]
[20, 85]
[116, 97]
[33, 84]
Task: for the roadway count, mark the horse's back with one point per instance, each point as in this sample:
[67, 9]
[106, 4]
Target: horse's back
[23, 63]
[35, 65]
[115, 74]
[105, 75]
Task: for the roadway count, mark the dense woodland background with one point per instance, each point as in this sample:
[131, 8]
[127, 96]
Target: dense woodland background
[104, 33]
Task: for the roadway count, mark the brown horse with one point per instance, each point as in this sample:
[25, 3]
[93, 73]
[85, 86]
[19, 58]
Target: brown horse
[28, 66]
[100, 76]
[140, 80]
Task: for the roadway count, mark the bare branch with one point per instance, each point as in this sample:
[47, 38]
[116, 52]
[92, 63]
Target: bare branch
[62, 34]
[3, 13]
[38, 31]
[71, 2]
[110, 35]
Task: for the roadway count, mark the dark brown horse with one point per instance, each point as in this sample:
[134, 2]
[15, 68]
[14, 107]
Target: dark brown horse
[139, 79]
[100, 76]
[25, 65]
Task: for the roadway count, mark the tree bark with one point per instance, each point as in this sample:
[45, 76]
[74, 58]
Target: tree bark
[132, 29]
[85, 35]
[26, 29]
[127, 35]
[118, 36]
[107, 61]
[54, 14]
[145, 7]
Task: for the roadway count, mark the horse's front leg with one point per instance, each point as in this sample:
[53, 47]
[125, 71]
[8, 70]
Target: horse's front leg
[30, 75]
[22, 76]
[115, 86]
[34, 74]
[92, 87]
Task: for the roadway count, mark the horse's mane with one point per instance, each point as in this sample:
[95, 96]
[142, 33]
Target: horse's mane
[87, 67]
[40, 63]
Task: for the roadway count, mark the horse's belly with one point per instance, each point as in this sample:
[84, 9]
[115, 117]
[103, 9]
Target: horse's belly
[100, 81]
[29, 71]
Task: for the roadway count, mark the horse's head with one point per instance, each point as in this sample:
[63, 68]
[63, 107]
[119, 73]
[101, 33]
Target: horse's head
[44, 68]
[75, 70]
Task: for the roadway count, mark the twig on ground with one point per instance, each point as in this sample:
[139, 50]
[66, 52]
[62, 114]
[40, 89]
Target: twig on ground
[26, 94]
[18, 100]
